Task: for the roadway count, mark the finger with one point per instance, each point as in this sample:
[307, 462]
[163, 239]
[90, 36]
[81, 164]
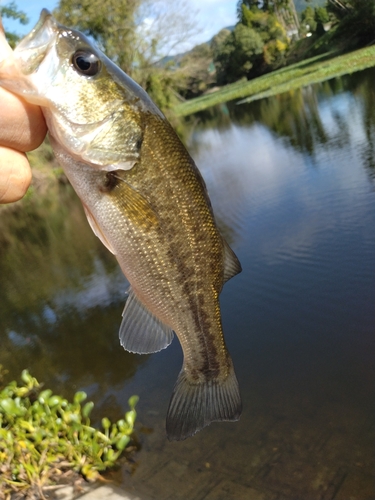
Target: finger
[22, 125]
[15, 175]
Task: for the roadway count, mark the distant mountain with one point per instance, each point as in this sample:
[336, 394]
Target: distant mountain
[302, 4]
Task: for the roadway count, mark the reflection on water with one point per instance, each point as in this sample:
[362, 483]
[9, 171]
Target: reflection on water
[309, 118]
[61, 299]
[292, 184]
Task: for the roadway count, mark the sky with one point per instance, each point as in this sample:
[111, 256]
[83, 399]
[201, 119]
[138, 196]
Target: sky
[213, 15]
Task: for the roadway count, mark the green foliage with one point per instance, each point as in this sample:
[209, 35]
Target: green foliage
[356, 21]
[316, 69]
[199, 70]
[158, 84]
[308, 22]
[321, 15]
[42, 434]
[10, 11]
[283, 10]
[256, 45]
[313, 19]
[218, 40]
[240, 51]
[265, 5]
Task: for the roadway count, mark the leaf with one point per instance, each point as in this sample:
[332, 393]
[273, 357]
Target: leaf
[44, 396]
[106, 423]
[133, 400]
[79, 397]
[130, 417]
[86, 410]
[122, 442]
[55, 400]
[10, 407]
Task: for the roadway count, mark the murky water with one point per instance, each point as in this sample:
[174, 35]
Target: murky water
[292, 181]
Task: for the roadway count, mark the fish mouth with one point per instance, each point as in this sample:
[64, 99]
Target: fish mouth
[33, 48]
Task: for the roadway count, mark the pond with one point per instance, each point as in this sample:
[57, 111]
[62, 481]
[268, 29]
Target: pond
[292, 182]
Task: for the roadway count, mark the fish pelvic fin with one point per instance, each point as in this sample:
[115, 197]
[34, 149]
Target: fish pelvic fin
[140, 331]
[232, 265]
[193, 406]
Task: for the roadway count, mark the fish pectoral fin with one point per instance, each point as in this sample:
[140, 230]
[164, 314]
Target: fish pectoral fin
[134, 204]
[193, 406]
[96, 229]
[232, 265]
[140, 331]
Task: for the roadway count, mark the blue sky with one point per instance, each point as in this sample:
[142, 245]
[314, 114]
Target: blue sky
[212, 15]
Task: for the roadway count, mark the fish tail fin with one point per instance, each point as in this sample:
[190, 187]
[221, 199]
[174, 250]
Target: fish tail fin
[195, 405]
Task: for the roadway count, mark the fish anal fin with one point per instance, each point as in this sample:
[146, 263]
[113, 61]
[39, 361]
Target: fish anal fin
[140, 331]
[96, 229]
[232, 265]
[193, 406]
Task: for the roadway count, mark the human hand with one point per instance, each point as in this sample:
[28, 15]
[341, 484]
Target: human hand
[22, 128]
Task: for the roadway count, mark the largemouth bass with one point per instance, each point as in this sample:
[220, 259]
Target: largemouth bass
[147, 202]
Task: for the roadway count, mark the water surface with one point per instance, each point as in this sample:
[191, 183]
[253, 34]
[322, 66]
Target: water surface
[292, 182]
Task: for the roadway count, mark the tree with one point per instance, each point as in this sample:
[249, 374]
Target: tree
[265, 5]
[284, 10]
[199, 70]
[321, 18]
[321, 15]
[218, 40]
[219, 53]
[241, 50]
[256, 45]
[356, 21]
[10, 11]
[308, 22]
[165, 26]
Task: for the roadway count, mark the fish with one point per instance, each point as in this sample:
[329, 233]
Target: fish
[147, 202]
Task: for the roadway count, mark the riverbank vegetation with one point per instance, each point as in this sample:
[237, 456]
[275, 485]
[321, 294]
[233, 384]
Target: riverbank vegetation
[276, 46]
[314, 70]
[148, 41]
[46, 440]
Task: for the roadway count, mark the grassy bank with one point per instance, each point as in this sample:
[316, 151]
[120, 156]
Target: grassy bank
[46, 440]
[313, 70]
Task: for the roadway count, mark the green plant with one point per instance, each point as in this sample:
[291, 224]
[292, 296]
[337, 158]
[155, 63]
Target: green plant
[43, 434]
[306, 72]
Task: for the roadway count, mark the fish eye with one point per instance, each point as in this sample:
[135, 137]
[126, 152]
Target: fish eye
[86, 63]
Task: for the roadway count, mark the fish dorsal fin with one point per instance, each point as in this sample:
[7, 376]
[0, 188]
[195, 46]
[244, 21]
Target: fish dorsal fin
[140, 331]
[232, 265]
[96, 229]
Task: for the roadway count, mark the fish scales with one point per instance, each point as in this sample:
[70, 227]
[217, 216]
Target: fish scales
[147, 202]
[183, 264]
